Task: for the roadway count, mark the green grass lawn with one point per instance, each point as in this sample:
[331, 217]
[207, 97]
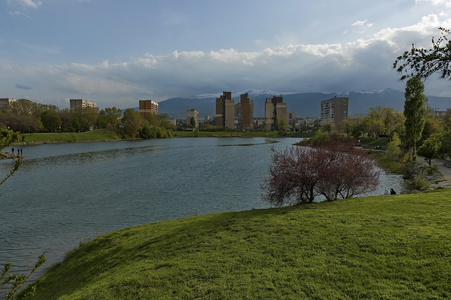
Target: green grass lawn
[384, 247]
[68, 137]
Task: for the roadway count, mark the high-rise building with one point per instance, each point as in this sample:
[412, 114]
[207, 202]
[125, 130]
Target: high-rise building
[225, 111]
[192, 118]
[335, 110]
[275, 111]
[5, 102]
[246, 113]
[75, 103]
[147, 107]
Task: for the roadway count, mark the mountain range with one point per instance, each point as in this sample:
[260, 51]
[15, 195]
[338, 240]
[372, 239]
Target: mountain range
[303, 104]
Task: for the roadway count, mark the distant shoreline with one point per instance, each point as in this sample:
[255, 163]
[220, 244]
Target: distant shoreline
[102, 135]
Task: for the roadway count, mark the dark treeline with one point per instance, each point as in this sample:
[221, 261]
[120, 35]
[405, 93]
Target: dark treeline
[27, 116]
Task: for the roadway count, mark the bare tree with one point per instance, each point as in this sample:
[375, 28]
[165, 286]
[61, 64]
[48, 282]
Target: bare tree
[299, 174]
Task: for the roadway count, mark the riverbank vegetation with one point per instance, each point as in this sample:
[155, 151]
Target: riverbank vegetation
[70, 137]
[384, 247]
[336, 170]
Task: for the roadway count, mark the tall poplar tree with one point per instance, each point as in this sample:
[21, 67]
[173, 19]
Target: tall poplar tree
[414, 111]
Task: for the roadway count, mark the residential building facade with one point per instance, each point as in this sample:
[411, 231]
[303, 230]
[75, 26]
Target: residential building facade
[6, 102]
[275, 111]
[225, 111]
[247, 112]
[75, 103]
[192, 118]
[147, 107]
[335, 110]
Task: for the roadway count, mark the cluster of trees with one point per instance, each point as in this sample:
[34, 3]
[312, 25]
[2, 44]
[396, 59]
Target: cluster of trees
[337, 170]
[298, 175]
[27, 116]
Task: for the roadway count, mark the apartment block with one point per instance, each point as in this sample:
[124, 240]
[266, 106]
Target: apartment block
[225, 111]
[275, 110]
[244, 111]
[335, 110]
[192, 114]
[147, 107]
[75, 103]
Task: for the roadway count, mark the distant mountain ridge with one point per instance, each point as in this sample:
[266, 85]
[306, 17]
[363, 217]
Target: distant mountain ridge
[303, 104]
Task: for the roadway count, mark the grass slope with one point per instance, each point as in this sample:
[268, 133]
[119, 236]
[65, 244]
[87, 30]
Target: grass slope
[384, 247]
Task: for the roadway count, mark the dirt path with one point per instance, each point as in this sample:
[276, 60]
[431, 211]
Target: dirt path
[445, 171]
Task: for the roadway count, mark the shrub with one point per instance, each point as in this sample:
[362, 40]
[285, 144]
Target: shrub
[299, 174]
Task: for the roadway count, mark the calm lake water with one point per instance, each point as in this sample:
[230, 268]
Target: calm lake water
[66, 194]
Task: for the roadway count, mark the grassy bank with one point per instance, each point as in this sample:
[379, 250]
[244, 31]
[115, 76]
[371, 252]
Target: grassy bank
[384, 247]
[70, 137]
[104, 135]
[239, 134]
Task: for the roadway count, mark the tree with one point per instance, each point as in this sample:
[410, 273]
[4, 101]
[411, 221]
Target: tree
[299, 174]
[422, 63]
[354, 125]
[109, 118]
[414, 111]
[24, 124]
[131, 122]
[51, 120]
[430, 147]
[431, 124]
[84, 118]
[393, 148]
[67, 119]
[8, 137]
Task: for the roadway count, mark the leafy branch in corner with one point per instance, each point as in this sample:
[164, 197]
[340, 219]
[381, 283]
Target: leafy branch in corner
[422, 62]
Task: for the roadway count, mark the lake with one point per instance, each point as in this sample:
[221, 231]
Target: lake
[65, 194]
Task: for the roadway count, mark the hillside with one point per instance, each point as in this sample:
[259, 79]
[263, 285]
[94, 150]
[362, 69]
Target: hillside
[303, 104]
[384, 247]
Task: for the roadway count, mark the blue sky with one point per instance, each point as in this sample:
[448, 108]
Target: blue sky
[115, 52]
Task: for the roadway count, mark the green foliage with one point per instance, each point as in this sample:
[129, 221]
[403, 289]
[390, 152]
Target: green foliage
[354, 126]
[15, 282]
[320, 138]
[68, 137]
[414, 111]
[446, 142]
[383, 247]
[393, 148]
[51, 120]
[131, 122]
[430, 147]
[422, 63]
[8, 137]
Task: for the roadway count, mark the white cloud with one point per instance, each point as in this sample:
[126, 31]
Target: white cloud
[25, 3]
[18, 13]
[365, 63]
[363, 23]
[446, 3]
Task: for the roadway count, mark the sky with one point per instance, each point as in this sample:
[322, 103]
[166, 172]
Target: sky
[116, 52]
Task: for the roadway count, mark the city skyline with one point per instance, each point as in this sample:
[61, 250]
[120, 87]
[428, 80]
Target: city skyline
[116, 54]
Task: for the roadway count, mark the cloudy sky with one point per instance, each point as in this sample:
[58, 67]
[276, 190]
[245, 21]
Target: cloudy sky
[116, 52]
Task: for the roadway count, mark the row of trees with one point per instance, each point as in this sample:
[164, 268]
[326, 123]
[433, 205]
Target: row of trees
[26, 116]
